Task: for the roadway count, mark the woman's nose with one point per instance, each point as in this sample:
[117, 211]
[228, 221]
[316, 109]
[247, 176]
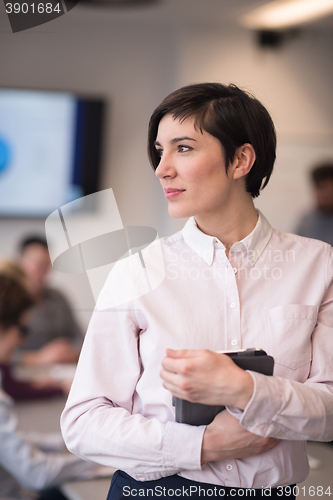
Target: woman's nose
[165, 167]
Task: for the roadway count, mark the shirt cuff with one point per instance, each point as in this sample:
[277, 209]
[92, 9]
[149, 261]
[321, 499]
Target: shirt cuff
[182, 447]
[237, 412]
[263, 406]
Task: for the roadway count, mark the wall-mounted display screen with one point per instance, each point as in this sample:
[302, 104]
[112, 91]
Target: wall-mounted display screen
[50, 150]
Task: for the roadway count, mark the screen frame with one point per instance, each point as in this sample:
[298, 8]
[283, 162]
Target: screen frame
[89, 142]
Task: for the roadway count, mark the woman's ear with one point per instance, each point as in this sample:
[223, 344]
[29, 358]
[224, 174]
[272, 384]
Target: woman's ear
[243, 162]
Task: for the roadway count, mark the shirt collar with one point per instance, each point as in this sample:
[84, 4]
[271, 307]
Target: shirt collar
[204, 245]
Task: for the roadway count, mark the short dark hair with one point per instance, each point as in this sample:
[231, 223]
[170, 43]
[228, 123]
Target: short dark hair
[322, 172]
[233, 116]
[32, 240]
[14, 300]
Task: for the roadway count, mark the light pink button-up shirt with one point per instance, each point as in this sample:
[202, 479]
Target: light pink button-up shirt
[274, 292]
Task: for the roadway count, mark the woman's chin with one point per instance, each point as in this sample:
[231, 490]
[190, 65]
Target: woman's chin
[178, 212]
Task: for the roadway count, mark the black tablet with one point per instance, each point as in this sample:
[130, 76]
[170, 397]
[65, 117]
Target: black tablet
[198, 414]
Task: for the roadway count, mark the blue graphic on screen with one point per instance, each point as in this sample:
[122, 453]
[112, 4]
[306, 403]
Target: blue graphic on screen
[5, 154]
[37, 151]
[40, 128]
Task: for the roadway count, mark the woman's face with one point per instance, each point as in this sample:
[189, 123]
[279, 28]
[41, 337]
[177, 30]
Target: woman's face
[191, 170]
[35, 262]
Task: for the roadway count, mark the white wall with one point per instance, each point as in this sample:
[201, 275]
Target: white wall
[133, 59]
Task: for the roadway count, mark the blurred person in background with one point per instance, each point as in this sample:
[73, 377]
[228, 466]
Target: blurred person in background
[53, 333]
[32, 464]
[318, 223]
[19, 389]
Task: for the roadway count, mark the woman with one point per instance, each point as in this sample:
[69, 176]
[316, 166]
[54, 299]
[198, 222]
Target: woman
[31, 464]
[231, 282]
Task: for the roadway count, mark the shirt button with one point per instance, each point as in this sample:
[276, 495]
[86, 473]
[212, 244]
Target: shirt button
[251, 423]
[234, 342]
[232, 305]
[229, 467]
[234, 269]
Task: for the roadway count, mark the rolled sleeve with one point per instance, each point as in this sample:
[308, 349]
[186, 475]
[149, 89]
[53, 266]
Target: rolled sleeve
[277, 409]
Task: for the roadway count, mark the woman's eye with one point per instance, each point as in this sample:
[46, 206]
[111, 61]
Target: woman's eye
[184, 149]
[159, 152]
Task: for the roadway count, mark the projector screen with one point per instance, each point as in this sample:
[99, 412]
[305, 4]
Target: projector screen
[50, 150]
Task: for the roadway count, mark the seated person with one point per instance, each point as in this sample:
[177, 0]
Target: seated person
[9, 341]
[29, 461]
[54, 336]
[318, 223]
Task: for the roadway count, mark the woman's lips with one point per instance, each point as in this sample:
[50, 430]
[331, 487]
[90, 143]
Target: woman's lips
[172, 193]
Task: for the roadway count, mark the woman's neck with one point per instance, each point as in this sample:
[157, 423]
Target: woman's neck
[232, 224]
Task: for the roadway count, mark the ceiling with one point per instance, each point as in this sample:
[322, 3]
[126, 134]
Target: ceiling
[190, 12]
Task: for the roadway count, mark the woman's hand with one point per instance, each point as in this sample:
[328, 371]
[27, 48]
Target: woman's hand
[206, 377]
[226, 439]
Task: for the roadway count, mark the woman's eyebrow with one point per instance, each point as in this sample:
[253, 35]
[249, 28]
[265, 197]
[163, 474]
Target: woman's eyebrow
[176, 139]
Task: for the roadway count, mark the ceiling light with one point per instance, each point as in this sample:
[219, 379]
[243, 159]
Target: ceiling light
[281, 14]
